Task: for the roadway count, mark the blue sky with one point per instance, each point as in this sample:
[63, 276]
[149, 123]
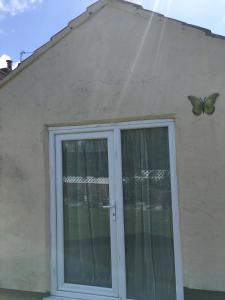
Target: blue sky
[27, 24]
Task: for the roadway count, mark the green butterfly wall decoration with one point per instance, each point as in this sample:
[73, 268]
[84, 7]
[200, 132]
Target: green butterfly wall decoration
[201, 106]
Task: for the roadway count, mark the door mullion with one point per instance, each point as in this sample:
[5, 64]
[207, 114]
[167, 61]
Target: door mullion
[59, 216]
[113, 227]
[119, 214]
[175, 212]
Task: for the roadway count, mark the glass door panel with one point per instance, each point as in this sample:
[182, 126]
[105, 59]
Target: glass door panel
[114, 219]
[149, 250]
[86, 223]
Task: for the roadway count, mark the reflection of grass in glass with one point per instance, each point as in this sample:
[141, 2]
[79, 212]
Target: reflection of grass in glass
[140, 223]
[87, 246]
[87, 269]
[149, 221]
[76, 226]
[82, 273]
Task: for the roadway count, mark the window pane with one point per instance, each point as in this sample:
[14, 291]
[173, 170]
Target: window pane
[149, 249]
[87, 252]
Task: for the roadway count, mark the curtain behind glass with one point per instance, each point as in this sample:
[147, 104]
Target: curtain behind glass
[87, 254]
[150, 273]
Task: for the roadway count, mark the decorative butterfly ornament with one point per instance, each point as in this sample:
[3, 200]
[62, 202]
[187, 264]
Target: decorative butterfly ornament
[201, 106]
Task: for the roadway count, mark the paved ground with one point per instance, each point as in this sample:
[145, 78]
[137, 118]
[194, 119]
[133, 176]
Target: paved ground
[15, 295]
[189, 295]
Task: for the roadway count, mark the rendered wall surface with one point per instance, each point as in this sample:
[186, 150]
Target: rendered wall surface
[120, 64]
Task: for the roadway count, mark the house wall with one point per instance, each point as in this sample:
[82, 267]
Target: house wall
[122, 64]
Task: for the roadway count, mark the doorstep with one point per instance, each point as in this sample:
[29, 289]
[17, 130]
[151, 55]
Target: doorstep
[57, 298]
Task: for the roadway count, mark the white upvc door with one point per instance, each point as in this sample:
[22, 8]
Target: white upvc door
[86, 190]
[114, 212]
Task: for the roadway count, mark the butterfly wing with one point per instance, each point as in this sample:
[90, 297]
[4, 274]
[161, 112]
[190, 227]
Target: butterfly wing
[209, 104]
[197, 105]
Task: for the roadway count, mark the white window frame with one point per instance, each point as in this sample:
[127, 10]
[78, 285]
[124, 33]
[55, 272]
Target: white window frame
[55, 135]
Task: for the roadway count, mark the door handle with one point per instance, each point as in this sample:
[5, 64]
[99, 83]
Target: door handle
[113, 210]
[109, 206]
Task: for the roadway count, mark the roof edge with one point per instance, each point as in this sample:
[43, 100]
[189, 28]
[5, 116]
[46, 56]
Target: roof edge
[79, 20]
[207, 31]
[75, 23]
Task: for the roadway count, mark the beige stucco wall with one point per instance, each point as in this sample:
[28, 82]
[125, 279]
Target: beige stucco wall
[119, 64]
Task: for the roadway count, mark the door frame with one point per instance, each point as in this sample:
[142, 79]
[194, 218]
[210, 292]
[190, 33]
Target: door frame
[54, 133]
[76, 288]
